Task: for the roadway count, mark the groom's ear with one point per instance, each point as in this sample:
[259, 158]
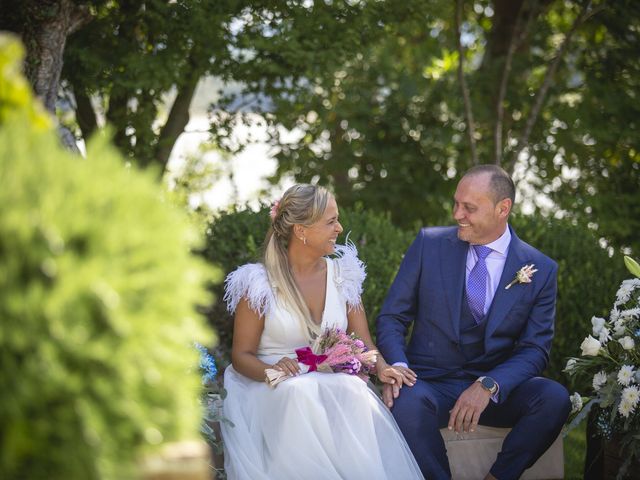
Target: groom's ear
[504, 207]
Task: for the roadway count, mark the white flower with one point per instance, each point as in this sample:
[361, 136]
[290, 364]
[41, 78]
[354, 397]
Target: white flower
[619, 327]
[631, 394]
[576, 402]
[627, 343]
[598, 324]
[614, 315]
[630, 313]
[605, 336]
[571, 364]
[590, 347]
[625, 408]
[626, 289]
[625, 375]
[599, 379]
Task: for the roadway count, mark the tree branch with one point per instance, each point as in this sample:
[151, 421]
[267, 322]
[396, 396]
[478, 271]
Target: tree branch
[176, 122]
[85, 114]
[548, 80]
[463, 86]
[517, 36]
[117, 115]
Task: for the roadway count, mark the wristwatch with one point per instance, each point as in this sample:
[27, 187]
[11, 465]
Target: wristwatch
[489, 384]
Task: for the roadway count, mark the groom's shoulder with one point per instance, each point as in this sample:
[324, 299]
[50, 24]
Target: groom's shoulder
[438, 233]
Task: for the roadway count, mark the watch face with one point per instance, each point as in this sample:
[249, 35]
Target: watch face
[488, 383]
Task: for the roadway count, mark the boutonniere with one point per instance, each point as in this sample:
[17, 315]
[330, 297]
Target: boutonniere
[524, 275]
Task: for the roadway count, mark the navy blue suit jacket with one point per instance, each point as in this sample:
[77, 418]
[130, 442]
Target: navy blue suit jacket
[427, 294]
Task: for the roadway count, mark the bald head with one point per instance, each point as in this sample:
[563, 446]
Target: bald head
[499, 182]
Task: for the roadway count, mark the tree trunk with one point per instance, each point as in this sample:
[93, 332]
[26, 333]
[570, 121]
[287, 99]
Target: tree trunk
[45, 35]
[117, 114]
[510, 30]
[468, 109]
[177, 121]
[44, 26]
[541, 95]
[502, 26]
[85, 115]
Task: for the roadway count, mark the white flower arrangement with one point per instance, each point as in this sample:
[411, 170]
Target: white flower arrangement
[610, 357]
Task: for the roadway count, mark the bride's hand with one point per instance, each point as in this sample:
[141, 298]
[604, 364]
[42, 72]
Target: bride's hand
[288, 366]
[397, 375]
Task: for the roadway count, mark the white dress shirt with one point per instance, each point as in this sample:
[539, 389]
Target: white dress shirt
[495, 264]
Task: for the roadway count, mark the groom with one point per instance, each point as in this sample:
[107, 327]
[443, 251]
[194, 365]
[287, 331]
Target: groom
[480, 340]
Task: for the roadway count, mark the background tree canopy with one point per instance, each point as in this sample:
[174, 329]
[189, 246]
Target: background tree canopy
[388, 102]
[384, 122]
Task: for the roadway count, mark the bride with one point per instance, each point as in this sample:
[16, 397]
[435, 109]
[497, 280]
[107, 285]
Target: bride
[314, 425]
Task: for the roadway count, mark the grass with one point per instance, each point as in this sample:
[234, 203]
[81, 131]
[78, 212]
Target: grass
[575, 446]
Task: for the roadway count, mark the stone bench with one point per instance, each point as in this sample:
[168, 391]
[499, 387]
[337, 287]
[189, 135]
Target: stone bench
[472, 454]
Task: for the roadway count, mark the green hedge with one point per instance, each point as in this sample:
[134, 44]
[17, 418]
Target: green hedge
[232, 239]
[97, 295]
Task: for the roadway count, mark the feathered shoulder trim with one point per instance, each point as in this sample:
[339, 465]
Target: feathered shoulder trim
[249, 281]
[349, 274]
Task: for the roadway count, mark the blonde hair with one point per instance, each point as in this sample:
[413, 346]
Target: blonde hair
[301, 204]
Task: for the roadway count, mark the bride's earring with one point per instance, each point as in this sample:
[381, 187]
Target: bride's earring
[304, 240]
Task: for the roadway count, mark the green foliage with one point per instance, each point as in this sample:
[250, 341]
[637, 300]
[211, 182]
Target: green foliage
[632, 266]
[15, 94]
[235, 238]
[596, 127]
[575, 446]
[134, 56]
[381, 246]
[382, 120]
[232, 239]
[97, 295]
[588, 277]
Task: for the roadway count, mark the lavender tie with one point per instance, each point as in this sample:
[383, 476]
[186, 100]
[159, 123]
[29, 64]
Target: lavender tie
[477, 283]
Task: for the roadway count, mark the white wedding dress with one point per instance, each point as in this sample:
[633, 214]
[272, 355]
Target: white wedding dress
[320, 426]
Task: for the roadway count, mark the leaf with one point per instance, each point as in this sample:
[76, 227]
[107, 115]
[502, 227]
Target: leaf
[580, 416]
[632, 266]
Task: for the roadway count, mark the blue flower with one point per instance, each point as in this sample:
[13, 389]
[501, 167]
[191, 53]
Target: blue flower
[207, 365]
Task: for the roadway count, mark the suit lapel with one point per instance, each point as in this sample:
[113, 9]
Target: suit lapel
[453, 265]
[504, 300]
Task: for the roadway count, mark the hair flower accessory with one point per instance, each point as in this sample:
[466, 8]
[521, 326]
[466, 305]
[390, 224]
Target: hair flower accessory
[274, 210]
[524, 275]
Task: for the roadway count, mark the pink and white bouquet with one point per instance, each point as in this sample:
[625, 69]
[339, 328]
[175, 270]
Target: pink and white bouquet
[334, 351]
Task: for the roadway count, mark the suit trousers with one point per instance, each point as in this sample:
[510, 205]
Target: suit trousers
[536, 411]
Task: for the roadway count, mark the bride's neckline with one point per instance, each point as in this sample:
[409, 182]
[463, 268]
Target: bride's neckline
[326, 293]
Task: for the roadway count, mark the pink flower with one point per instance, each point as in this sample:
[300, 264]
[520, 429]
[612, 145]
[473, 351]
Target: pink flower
[336, 351]
[274, 210]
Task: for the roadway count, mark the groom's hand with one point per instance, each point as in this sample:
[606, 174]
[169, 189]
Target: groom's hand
[466, 412]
